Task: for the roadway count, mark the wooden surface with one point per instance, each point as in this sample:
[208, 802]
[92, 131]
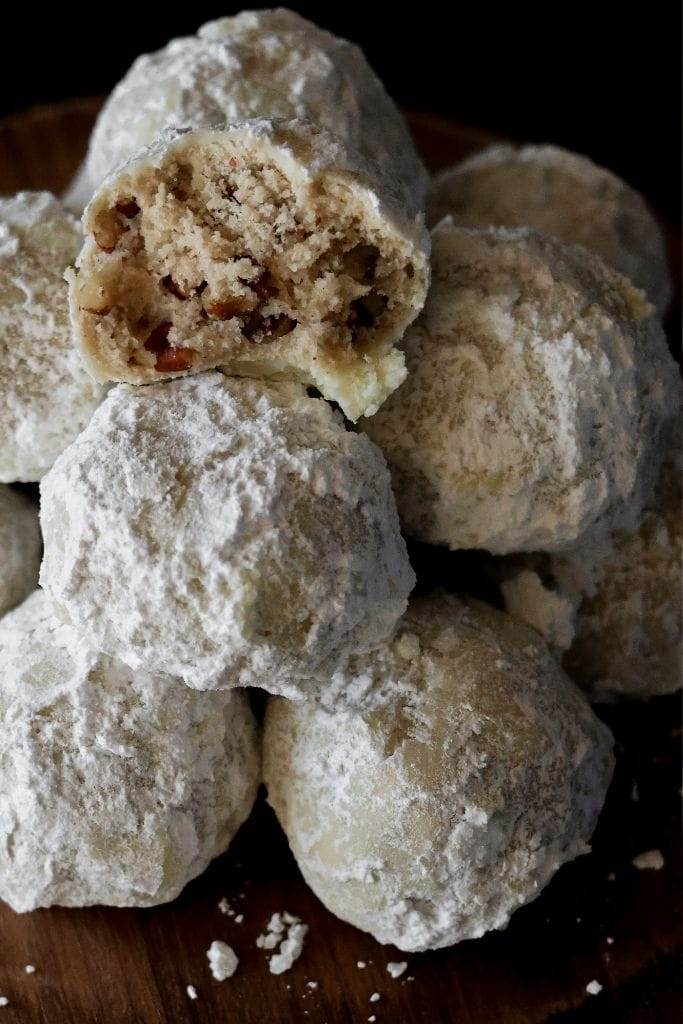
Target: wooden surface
[132, 967]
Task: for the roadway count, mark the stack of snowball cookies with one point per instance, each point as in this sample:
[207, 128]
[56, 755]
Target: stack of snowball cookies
[241, 379]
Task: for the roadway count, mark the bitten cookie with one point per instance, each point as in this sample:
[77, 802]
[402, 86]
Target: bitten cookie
[564, 195]
[47, 397]
[229, 532]
[272, 64]
[264, 248]
[539, 380]
[20, 548]
[612, 607]
[116, 787]
[471, 770]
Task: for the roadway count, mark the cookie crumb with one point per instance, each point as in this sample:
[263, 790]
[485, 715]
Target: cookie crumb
[222, 960]
[651, 860]
[290, 944]
[396, 969]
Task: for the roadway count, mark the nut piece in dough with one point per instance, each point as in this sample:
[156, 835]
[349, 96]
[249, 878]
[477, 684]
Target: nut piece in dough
[621, 598]
[561, 194]
[538, 383]
[229, 532]
[47, 397]
[261, 248]
[474, 770]
[116, 787]
[20, 548]
[272, 64]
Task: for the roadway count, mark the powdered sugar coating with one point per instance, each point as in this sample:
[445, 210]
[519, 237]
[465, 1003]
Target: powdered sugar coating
[538, 384]
[116, 787]
[226, 531]
[271, 64]
[622, 599]
[47, 397]
[472, 771]
[562, 194]
[20, 548]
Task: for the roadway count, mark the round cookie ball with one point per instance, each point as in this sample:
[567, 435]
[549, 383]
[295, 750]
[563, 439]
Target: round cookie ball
[268, 249]
[20, 548]
[538, 383]
[272, 64]
[470, 772]
[618, 600]
[47, 396]
[562, 194]
[229, 532]
[116, 787]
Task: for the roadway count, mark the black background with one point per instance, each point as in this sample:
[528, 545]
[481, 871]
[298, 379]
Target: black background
[603, 79]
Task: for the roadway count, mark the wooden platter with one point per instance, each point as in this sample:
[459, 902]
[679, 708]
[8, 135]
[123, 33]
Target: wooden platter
[102, 966]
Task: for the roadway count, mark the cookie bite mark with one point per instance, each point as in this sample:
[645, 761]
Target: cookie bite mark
[262, 249]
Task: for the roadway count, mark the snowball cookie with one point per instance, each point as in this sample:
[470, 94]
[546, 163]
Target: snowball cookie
[230, 532]
[262, 248]
[46, 397]
[20, 547]
[271, 63]
[475, 770]
[116, 787]
[538, 381]
[619, 601]
[564, 195]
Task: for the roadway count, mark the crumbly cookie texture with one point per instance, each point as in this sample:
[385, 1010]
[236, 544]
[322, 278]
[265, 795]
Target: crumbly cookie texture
[261, 248]
[471, 770]
[47, 397]
[20, 548]
[538, 383]
[621, 601]
[272, 64]
[230, 532]
[562, 194]
[116, 787]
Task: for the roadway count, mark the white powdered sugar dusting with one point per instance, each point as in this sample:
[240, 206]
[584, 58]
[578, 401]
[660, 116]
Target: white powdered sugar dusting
[560, 377]
[105, 759]
[47, 397]
[275, 539]
[387, 808]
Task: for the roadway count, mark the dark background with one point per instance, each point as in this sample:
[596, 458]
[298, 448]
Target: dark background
[602, 78]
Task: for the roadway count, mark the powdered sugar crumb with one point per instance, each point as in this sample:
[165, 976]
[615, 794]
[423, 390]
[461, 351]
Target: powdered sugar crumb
[30, 969]
[361, 964]
[593, 988]
[286, 932]
[396, 969]
[192, 992]
[222, 960]
[651, 860]
[375, 997]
